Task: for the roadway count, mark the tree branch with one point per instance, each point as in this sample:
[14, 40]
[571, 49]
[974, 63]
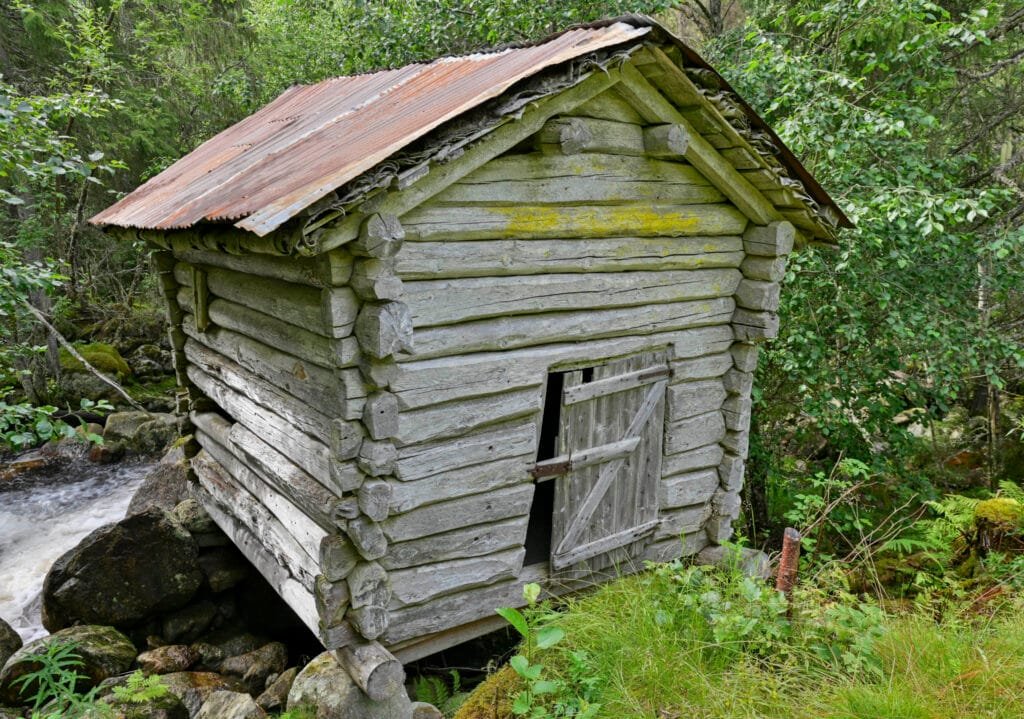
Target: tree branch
[75, 353]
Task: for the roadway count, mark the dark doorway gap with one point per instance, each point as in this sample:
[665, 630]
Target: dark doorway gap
[538, 531]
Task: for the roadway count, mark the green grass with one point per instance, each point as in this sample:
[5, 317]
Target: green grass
[658, 652]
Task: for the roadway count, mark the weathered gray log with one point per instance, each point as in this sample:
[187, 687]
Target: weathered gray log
[341, 635]
[737, 442]
[709, 455]
[345, 509]
[687, 489]
[706, 367]
[421, 584]
[373, 668]
[443, 302]
[429, 382]
[337, 557]
[374, 279]
[607, 106]
[693, 398]
[750, 326]
[384, 328]
[495, 258]
[769, 269]
[328, 392]
[527, 330]
[310, 454]
[758, 295]
[667, 141]
[375, 499]
[332, 600]
[368, 585]
[446, 516]
[572, 135]
[738, 382]
[475, 541]
[345, 437]
[330, 312]
[736, 411]
[256, 519]
[368, 538]
[694, 432]
[380, 237]
[500, 442]
[377, 459]
[314, 498]
[744, 356]
[591, 179]
[772, 240]
[297, 596]
[370, 621]
[380, 415]
[684, 520]
[477, 222]
[730, 473]
[331, 269]
[675, 547]
[454, 419]
[309, 526]
[295, 412]
[408, 495]
[273, 332]
[346, 476]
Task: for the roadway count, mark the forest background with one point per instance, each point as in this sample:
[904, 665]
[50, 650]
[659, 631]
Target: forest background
[897, 376]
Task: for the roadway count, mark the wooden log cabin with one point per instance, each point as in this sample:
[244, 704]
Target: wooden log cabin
[450, 328]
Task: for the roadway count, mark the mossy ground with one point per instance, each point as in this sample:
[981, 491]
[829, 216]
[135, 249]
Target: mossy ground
[100, 355]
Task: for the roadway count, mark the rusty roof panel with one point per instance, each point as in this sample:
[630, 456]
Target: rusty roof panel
[314, 138]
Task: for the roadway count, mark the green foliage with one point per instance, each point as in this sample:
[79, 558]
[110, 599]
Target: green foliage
[543, 697]
[52, 688]
[140, 689]
[435, 690]
[24, 425]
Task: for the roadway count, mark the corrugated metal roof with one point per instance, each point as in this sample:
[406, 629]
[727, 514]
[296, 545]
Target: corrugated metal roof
[314, 138]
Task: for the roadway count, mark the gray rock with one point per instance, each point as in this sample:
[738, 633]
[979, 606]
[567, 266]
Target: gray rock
[154, 436]
[123, 426]
[750, 562]
[167, 706]
[9, 713]
[194, 688]
[422, 710]
[123, 573]
[167, 659]
[325, 688]
[254, 667]
[104, 651]
[275, 697]
[224, 568]
[230, 705]
[10, 641]
[164, 487]
[218, 646]
[149, 362]
[188, 623]
[194, 518]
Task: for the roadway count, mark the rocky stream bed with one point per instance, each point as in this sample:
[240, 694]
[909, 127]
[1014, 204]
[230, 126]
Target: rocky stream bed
[116, 558]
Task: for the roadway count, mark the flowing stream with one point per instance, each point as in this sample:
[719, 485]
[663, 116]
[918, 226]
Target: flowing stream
[44, 514]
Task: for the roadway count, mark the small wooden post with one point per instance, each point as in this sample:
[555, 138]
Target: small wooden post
[789, 562]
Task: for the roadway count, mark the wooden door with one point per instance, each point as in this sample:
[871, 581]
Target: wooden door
[610, 442]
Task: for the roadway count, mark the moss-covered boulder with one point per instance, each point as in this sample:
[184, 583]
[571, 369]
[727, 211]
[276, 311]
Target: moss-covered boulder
[100, 355]
[493, 698]
[104, 652]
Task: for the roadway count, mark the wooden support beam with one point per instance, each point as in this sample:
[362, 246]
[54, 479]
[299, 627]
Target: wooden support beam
[653, 105]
